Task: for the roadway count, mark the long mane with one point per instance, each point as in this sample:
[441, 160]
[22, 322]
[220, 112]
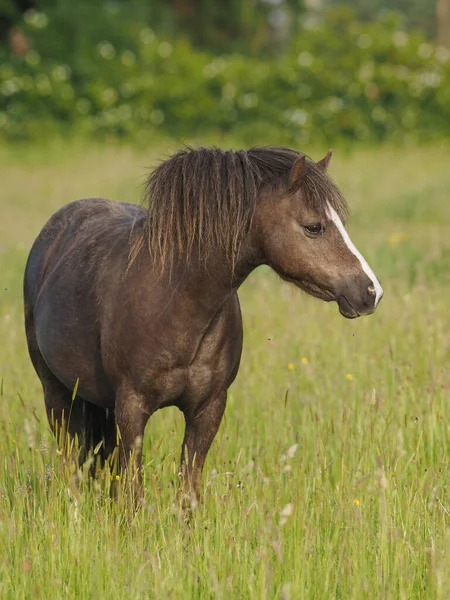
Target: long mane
[203, 199]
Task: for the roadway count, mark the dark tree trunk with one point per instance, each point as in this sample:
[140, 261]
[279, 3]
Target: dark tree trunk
[443, 22]
[10, 15]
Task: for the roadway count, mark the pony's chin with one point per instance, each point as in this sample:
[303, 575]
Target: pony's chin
[314, 290]
[346, 309]
[309, 287]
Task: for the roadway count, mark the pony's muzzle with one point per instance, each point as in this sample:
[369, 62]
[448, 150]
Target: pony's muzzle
[356, 301]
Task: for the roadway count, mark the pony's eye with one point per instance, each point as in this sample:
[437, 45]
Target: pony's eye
[313, 230]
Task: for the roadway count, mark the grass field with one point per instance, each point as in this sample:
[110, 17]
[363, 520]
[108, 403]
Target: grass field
[330, 475]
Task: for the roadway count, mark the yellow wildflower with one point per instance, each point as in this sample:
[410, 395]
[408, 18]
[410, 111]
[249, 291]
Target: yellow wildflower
[356, 502]
[305, 361]
[117, 477]
[349, 377]
[397, 238]
[290, 366]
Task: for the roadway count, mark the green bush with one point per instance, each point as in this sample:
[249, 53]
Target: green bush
[342, 79]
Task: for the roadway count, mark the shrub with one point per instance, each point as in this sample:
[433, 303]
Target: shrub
[342, 79]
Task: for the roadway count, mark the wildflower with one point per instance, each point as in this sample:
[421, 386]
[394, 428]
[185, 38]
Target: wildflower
[349, 377]
[290, 367]
[356, 502]
[248, 468]
[285, 513]
[397, 238]
[117, 477]
[305, 361]
[291, 451]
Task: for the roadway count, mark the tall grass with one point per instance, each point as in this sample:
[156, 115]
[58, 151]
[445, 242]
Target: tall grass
[330, 475]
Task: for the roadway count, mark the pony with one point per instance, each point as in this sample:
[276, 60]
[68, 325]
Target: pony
[130, 309]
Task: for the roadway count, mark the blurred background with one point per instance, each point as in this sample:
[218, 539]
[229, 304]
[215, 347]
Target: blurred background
[261, 71]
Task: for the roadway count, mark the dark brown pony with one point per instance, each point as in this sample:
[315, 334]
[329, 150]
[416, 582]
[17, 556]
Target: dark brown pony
[137, 308]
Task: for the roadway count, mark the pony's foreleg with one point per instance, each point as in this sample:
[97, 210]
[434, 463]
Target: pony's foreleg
[201, 428]
[131, 419]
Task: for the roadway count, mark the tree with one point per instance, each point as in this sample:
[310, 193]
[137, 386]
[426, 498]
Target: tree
[417, 14]
[11, 12]
[443, 22]
[235, 25]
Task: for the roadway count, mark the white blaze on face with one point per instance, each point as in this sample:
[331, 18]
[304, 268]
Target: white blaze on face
[334, 217]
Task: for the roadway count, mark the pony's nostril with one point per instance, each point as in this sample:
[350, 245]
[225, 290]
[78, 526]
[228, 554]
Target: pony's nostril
[371, 291]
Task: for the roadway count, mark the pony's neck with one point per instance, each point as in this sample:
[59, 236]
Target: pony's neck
[228, 279]
[209, 286]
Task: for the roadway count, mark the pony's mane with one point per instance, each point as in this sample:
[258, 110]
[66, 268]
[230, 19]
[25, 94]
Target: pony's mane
[204, 199]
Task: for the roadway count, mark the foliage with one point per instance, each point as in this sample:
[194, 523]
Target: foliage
[374, 82]
[329, 477]
[236, 25]
[418, 14]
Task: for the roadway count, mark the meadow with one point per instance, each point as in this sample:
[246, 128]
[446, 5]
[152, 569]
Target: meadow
[330, 475]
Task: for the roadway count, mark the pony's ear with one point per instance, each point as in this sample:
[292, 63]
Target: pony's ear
[325, 161]
[297, 172]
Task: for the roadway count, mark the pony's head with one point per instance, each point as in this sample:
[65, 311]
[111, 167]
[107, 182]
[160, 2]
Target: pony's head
[299, 231]
[267, 205]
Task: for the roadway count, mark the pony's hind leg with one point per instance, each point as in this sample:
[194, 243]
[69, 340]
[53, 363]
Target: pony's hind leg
[71, 417]
[201, 429]
[100, 434]
[79, 425]
[63, 415]
[58, 399]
